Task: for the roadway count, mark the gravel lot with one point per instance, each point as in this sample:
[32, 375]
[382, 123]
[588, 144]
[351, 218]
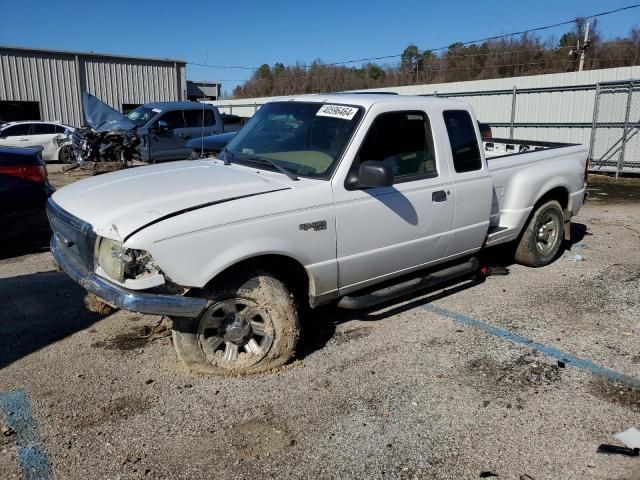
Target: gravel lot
[413, 390]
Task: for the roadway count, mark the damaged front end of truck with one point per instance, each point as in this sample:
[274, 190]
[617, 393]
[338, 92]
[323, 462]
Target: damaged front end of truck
[108, 135]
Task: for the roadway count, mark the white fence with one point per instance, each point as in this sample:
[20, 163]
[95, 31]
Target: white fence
[557, 107]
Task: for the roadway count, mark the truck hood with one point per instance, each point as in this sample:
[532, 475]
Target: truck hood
[120, 203]
[101, 117]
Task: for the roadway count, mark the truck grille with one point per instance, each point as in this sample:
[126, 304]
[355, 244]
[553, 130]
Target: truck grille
[74, 235]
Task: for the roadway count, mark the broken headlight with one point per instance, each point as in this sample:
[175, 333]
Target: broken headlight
[119, 262]
[109, 255]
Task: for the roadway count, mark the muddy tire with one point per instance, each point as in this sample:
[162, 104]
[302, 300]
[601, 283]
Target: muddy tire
[542, 237]
[249, 326]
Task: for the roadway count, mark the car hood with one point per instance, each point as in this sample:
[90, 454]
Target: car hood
[101, 117]
[118, 204]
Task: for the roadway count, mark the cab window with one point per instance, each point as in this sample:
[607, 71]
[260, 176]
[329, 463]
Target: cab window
[402, 141]
[174, 119]
[463, 141]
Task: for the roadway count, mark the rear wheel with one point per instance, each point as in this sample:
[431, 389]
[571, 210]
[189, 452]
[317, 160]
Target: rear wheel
[543, 236]
[65, 155]
[250, 325]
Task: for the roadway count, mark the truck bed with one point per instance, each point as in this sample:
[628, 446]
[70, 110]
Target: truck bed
[501, 147]
[522, 171]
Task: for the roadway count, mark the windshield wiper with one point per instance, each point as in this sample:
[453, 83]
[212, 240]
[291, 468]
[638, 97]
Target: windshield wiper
[259, 159]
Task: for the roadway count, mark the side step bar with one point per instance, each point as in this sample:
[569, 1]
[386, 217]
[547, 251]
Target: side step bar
[357, 302]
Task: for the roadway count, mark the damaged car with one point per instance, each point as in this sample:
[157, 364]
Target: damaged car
[152, 132]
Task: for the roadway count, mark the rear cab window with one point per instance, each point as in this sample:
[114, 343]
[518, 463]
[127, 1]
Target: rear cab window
[403, 141]
[199, 118]
[465, 148]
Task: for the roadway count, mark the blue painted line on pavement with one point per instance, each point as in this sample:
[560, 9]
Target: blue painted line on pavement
[539, 347]
[32, 458]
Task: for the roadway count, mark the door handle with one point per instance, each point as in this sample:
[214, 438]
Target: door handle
[439, 196]
[181, 135]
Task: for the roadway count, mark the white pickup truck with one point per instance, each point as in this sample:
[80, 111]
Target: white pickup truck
[354, 199]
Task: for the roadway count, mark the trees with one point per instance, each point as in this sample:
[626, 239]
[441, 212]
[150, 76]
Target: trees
[264, 71]
[375, 72]
[505, 57]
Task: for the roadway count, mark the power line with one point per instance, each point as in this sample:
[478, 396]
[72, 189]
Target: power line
[448, 57]
[541, 49]
[221, 66]
[386, 57]
[429, 70]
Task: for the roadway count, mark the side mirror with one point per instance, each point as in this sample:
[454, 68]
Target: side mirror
[163, 126]
[374, 173]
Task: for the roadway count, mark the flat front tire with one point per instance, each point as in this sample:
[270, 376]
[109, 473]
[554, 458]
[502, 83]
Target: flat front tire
[542, 237]
[249, 326]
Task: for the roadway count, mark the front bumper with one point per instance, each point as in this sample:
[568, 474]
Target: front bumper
[117, 296]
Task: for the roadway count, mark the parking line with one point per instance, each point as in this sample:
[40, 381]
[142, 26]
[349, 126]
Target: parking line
[539, 347]
[32, 458]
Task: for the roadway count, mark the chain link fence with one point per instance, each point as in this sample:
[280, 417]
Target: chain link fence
[615, 139]
[609, 114]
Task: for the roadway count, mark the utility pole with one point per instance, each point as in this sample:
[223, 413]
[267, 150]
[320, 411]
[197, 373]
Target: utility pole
[580, 50]
[585, 45]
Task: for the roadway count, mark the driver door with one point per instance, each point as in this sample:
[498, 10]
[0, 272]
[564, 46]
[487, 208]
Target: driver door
[387, 231]
[168, 144]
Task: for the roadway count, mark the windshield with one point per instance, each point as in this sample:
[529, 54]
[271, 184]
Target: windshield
[304, 138]
[142, 115]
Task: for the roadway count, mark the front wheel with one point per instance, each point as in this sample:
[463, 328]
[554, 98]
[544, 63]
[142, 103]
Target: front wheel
[250, 325]
[542, 237]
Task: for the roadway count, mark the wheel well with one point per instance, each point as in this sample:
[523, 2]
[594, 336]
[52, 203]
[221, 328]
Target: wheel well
[560, 194]
[286, 269]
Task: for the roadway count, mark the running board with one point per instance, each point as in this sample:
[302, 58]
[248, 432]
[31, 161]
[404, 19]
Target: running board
[357, 302]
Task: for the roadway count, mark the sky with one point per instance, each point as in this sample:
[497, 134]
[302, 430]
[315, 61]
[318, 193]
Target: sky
[253, 33]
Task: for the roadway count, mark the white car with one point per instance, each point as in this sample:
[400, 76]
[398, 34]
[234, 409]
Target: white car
[318, 199]
[55, 138]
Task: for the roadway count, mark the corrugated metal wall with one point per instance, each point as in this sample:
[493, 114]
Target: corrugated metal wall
[50, 80]
[122, 81]
[544, 107]
[56, 80]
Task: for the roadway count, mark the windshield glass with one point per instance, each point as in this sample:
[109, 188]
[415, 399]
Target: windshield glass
[304, 138]
[142, 115]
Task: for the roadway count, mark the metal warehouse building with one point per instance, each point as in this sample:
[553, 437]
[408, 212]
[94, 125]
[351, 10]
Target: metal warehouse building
[37, 84]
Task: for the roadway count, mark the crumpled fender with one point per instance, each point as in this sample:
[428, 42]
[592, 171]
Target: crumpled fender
[145, 143]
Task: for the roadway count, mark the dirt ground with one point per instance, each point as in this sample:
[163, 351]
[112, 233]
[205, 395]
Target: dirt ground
[443, 385]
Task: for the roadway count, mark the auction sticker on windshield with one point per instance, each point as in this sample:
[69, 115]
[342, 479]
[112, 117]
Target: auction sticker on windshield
[337, 111]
